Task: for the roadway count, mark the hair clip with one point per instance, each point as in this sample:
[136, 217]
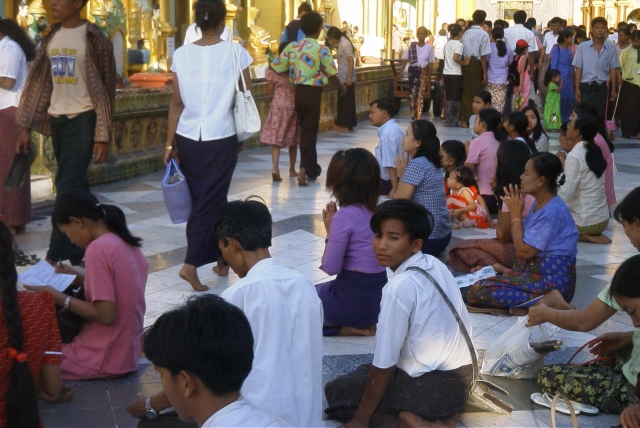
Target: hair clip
[206, 16]
[559, 179]
[20, 357]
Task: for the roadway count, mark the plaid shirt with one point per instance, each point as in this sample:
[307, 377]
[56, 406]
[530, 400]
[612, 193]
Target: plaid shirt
[309, 63]
[101, 77]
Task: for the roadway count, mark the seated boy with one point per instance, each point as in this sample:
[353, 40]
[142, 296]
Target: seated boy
[285, 314]
[421, 368]
[389, 145]
[203, 351]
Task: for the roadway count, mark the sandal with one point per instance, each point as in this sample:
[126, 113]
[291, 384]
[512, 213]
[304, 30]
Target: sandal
[545, 401]
[579, 408]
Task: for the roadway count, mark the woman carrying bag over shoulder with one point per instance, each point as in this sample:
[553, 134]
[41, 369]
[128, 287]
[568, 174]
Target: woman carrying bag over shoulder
[201, 135]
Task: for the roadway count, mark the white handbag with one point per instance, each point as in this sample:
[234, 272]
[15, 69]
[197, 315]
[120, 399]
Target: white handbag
[245, 112]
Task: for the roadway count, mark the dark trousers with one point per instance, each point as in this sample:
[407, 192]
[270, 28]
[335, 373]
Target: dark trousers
[307, 103]
[435, 247]
[346, 113]
[72, 140]
[596, 95]
[492, 203]
[208, 168]
[628, 110]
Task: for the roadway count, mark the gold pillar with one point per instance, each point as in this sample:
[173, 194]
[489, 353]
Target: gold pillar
[389, 35]
[166, 31]
[233, 13]
[365, 17]
[419, 13]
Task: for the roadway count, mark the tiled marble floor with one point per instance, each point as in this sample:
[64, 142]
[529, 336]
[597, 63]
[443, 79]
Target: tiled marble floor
[298, 244]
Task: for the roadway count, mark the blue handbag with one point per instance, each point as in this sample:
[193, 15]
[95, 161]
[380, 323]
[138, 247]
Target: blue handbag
[175, 191]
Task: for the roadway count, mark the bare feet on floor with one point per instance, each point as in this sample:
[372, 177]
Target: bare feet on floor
[221, 269]
[275, 175]
[353, 331]
[190, 274]
[302, 178]
[293, 173]
[500, 268]
[411, 420]
[554, 299]
[594, 239]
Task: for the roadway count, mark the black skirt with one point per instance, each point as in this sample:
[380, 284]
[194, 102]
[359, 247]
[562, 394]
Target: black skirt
[346, 117]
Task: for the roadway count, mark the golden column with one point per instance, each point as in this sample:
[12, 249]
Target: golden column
[621, 9]
[389, 33]
[233, 13]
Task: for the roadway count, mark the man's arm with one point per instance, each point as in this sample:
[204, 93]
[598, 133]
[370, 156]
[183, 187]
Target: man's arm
[577, 77]
[532, 62]
[159, 402]
[483, 61]
[377, 383]
[393, 177]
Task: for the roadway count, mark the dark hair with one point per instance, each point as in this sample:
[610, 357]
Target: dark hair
[385, 104]
[493, 119]
[498, 35]
[564, 127]
[454, 30]
[520, 17]
[209, 14]
[599, 20]
[625, 280]
[310, 23]
[455, 150]
[418, 222]
[584, 107]
[512, 157]
[479, 16]
[520, 122]
[629, 208]
[548, 165]
[555, 20]
[466, 177]
[520, 50]
[532, 22]
[80, 203]
[625, 30]
[580, 34]
[499, 23]
[304, 7]
[635, 35]
[207, 337]
[488, 24]
[248, 222]
[539, 129]
[549, 75]
[587, 125]
[11, 29]
[622, 24]
[563, 35]
[22, 406]
[425, 132]
[485, 96]
[336, 33]
[353, 177]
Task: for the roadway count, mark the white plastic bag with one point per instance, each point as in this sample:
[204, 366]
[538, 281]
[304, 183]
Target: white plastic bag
[511, 356]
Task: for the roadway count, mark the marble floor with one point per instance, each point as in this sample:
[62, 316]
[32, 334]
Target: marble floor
[298, 244]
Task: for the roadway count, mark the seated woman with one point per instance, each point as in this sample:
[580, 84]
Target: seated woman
[546, 244]
[411, 380]
[421, 181]
[595, 314]
[30, 347]
[473, 254]
[536, 130]
[351, 302]
[108, 345]
[516, 124]
[584, 167]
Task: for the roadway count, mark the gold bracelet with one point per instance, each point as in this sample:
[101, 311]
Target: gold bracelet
[169, 148]
[516, 219]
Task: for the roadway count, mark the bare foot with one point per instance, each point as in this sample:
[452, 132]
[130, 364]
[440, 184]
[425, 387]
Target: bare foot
[293, 173]
[594, 239]
[340, 128]
[411, 420]
[353, 331]
[190, 274]
[302, 178]
[554, 299]
[500, 268]
[275, 175]
[475, 269]
[221, 269]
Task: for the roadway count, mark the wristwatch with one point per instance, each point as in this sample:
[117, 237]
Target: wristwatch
[148, 410]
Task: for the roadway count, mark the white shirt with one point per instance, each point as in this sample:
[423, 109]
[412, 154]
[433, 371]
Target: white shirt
[207, 79]
[193, 34]
[416, 330]
[286, 317]
[241, 413]
[438, 46]
[13, 64]
[549, 42]
[583, 192]
[520, 32]
[389, 146]
[450, 66]
[476, 42]
[424, 55]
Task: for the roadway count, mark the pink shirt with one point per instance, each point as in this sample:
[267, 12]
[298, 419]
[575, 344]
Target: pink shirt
[482, 154]
[609, 190]
[116, 272]
[528, 202]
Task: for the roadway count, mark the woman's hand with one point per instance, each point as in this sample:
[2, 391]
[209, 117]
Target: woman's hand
[630, 416]
[41, 289]
[611, 342]
[514, 199]
[562, 156]
[348, 82]
[467, 144]
[328, 213]
[66, 394]
[66, 270]
[170, 154]
[401, 163]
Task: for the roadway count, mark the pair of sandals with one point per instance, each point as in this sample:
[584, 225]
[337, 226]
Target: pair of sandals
[545, 400]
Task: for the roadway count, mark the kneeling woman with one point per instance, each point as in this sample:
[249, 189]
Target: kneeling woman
[546, 243]
[351, 302]
[109, 343]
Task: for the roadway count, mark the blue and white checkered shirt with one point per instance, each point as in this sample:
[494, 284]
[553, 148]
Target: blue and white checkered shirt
[389, 146]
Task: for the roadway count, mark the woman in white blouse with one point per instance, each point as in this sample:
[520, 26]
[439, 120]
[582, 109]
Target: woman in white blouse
[584, 190]
[346, 118]
[201, 134]
[16, 49]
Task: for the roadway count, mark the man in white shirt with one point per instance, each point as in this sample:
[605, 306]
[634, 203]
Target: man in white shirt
[421, 368]
[519, 31]
[203, 351]
[550, 40]
[389, 143]
[477, 47]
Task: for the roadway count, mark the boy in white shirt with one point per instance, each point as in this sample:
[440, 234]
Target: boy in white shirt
[203, 351]
[389, 144]
[421, 368]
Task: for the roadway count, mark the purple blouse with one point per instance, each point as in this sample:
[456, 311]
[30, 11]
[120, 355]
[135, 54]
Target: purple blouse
[498, 66]
[350, 242]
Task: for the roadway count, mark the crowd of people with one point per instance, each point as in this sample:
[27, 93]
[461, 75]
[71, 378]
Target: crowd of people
[253, 355]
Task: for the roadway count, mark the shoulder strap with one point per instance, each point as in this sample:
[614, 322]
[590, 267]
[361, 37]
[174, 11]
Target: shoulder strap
[463, 329]
[236, 63]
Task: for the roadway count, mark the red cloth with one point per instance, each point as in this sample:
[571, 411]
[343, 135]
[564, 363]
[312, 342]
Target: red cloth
[41, 334]
[15, 205]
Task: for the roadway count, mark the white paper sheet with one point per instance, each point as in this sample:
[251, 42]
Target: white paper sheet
[42, 273]
[472, 278]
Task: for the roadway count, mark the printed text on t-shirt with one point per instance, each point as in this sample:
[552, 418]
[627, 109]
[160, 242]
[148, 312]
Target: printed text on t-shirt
[63, 62]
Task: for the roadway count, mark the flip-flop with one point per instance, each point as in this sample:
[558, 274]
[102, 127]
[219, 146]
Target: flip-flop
[543, 400]
[581, 408]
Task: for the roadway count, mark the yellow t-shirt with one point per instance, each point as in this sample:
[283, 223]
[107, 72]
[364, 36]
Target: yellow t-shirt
[68, 55]
[632, 367]
[629, 65]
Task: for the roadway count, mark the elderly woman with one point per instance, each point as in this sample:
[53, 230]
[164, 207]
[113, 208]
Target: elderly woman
[201, 132]
[584, 167]
[346, 118]
[545, 241]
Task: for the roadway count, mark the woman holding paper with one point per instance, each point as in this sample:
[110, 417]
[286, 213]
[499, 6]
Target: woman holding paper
[116, 275]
